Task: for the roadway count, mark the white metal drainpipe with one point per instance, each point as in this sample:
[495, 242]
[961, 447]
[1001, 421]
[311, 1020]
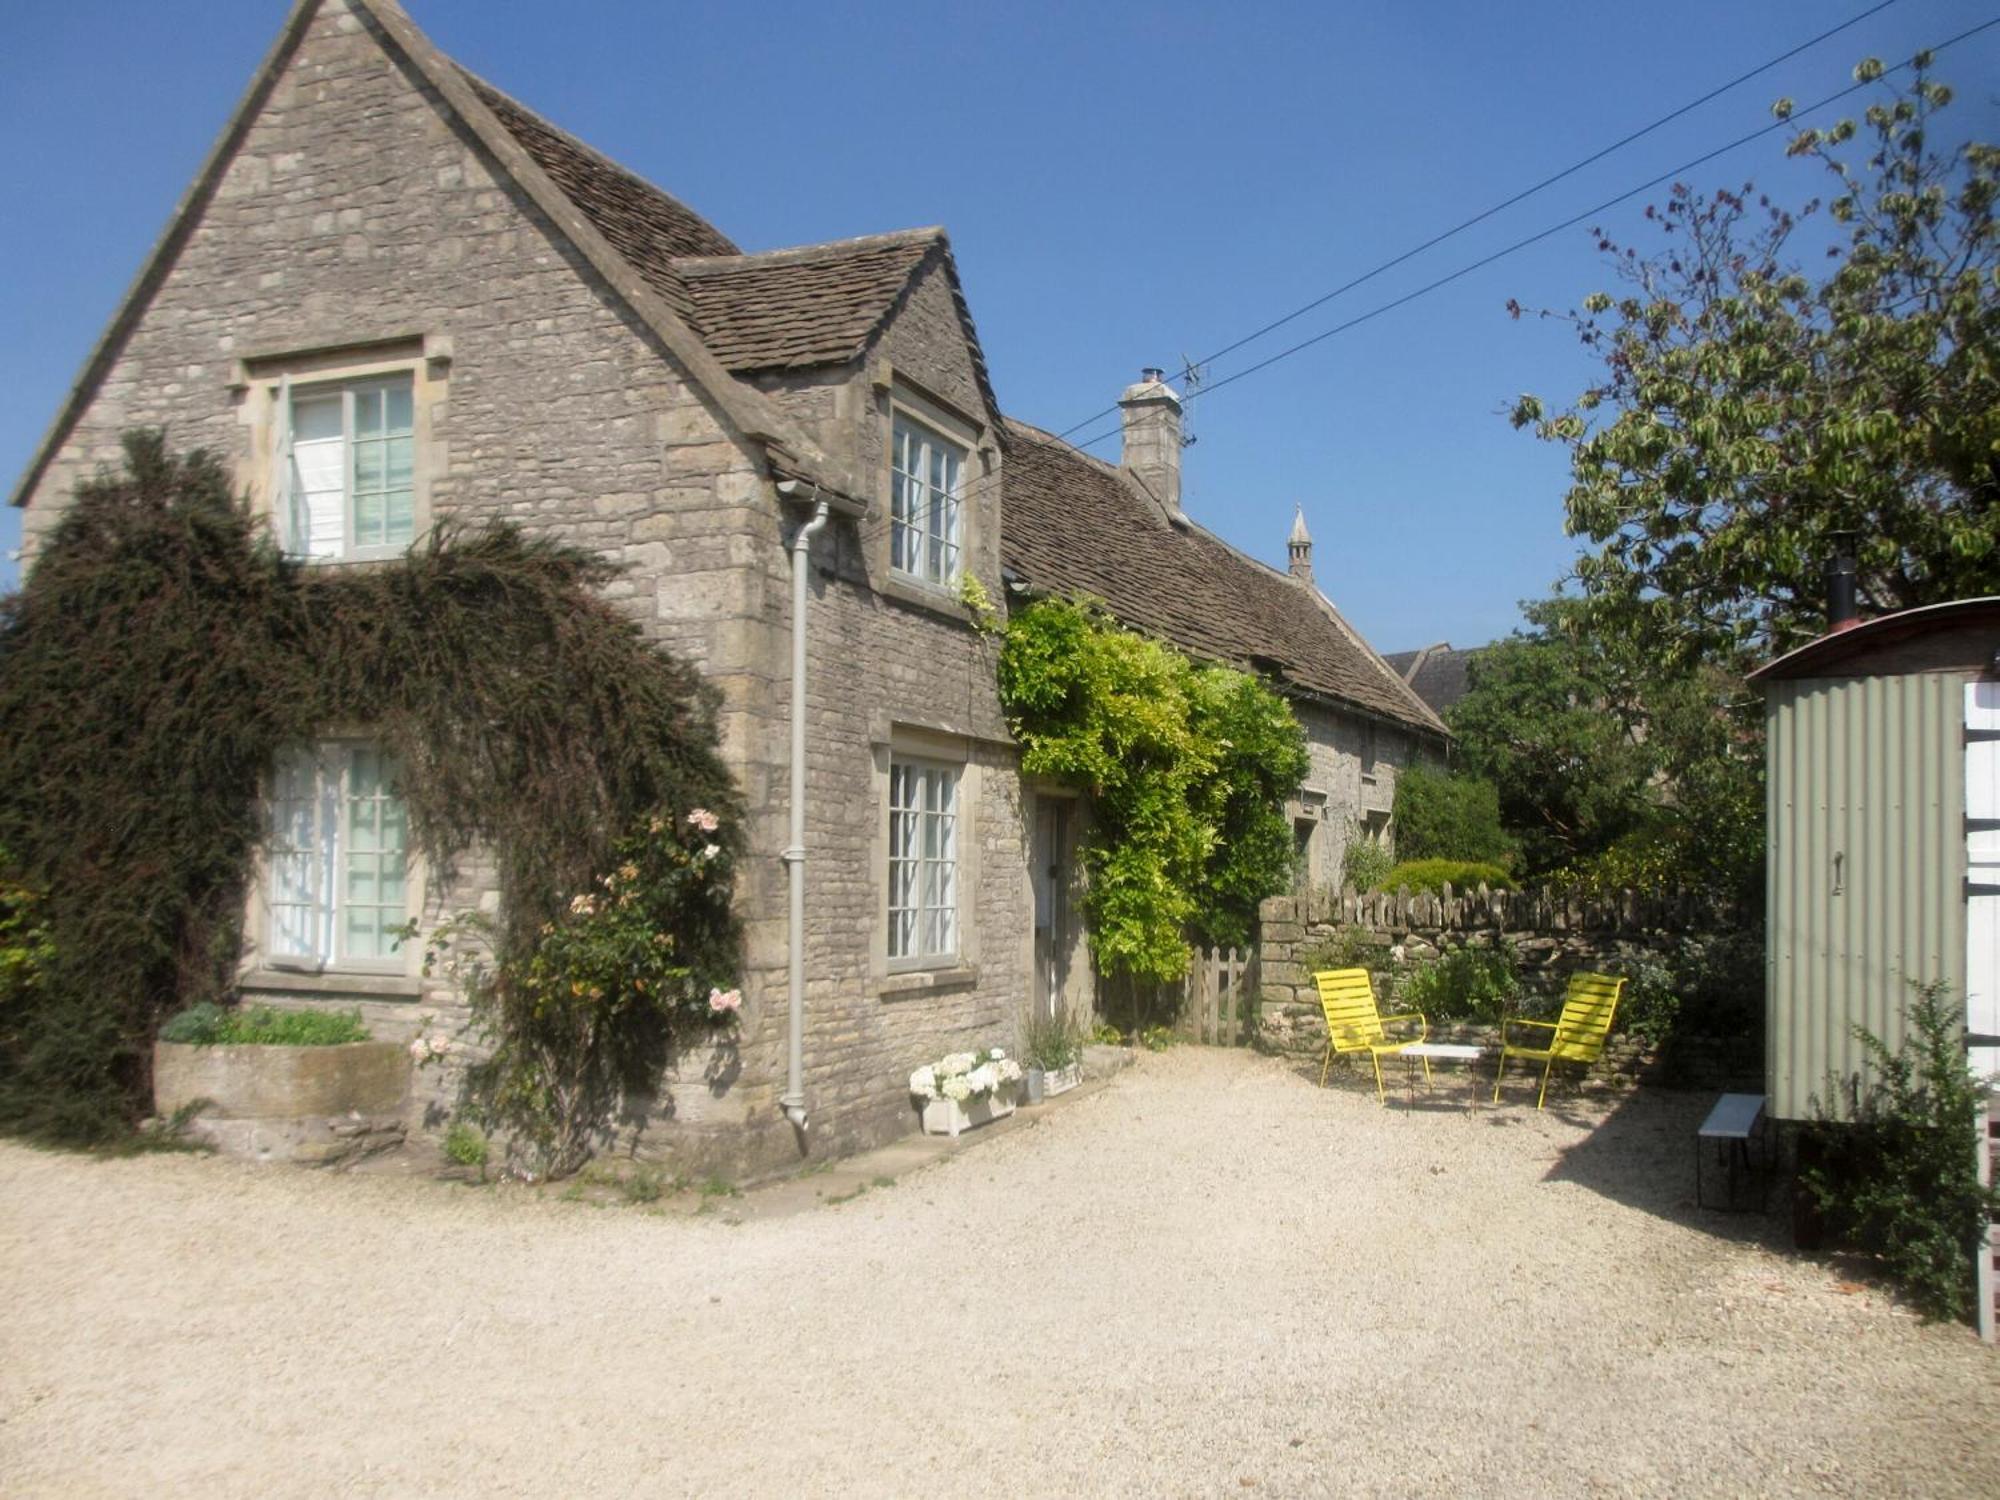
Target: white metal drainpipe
[794, 1101]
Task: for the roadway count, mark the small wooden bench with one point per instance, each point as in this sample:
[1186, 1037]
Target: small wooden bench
[1733, 1124]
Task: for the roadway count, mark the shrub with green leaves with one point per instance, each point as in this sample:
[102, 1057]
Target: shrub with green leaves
[1444, 816]
[1432, 875]
[1188, 768]
[1364, 864]
[1894, 1166]
[160, 657]
[1462, 984]
[208, 1025]
[465, 1144]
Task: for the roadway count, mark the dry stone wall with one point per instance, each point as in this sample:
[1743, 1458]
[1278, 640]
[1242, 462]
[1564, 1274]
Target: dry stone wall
[1553, 936]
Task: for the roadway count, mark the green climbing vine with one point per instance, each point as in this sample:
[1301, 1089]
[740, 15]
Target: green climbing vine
[1188, 768]
[160, 657]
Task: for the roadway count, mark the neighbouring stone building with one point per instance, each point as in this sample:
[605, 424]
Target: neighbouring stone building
[1161, 572]
[395, 296]
[1439, 674]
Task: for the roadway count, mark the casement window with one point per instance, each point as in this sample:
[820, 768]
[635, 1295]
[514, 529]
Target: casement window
[336, 873]
[345, 461]
[925, 493]
[923, 861]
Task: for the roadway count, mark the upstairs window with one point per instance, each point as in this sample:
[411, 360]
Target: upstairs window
[337, 872]
[346, 469]
[925, 492]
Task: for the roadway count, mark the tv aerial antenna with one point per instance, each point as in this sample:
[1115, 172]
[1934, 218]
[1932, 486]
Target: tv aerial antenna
[1192, 375]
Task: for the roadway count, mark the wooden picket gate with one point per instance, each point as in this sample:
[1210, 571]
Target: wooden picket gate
[1221, 1005]
[1214, 1003]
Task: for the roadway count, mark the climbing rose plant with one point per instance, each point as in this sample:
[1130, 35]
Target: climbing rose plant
[578, 1025]
[1188, 769]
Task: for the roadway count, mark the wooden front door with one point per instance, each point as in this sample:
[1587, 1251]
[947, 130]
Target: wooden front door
[1054, 934]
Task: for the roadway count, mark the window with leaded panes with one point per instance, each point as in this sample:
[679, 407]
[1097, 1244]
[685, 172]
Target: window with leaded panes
[346, 460]
[337, 862]
[923, 860]
[927, 473]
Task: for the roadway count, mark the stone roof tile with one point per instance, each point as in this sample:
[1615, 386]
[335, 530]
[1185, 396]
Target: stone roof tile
[811, 305]
[1072, 525]
[646, 226]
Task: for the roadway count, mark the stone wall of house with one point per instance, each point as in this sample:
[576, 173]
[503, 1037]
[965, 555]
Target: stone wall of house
[356, 209]
[1344, 791]
[891, 667]
[1553, 937]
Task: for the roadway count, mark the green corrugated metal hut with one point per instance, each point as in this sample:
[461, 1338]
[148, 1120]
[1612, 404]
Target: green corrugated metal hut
[1880, 873]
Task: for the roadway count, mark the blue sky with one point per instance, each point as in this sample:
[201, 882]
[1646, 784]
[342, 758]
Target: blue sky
[1124, 186]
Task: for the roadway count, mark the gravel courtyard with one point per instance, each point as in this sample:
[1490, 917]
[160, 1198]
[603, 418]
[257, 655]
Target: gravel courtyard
[1207, 1278]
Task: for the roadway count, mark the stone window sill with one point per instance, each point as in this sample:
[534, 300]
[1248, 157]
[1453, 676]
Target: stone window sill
[332, 986]
[923, 596]
[917, 982]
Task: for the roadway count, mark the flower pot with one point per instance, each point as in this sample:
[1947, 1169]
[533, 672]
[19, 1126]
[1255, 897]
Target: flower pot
[1046, 1083]
[949, 1116]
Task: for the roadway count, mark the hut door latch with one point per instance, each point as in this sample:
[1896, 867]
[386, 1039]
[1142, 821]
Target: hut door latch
[1840, 873]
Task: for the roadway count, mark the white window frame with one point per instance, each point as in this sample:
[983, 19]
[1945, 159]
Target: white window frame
[331, 765]
[285, 478]
[925, 929]
[926, 521]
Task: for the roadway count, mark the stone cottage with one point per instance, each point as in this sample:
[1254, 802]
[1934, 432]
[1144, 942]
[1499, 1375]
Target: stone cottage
[395, 296]
[1162, 573]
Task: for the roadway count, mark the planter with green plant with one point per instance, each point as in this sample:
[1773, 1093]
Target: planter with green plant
[271, 1083]
[1054, 1057]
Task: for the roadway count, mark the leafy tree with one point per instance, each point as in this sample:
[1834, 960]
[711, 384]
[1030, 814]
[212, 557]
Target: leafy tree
[1444, 816]
[1750, 408]
[1611, 772]
[1545, 722]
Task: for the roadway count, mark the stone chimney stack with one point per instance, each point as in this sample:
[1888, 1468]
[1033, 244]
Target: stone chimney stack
[1300, 545]
[1151, 412]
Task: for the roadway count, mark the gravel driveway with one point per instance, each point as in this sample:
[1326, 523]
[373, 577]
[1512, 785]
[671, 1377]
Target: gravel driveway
[1207, 1278]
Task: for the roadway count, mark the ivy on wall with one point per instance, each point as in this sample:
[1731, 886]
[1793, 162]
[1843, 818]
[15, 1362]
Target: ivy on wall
[163, 653]
[1188, 768]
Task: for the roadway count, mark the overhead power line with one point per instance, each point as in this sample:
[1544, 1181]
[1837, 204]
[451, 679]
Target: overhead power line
[1506, 203]
[1212, 386]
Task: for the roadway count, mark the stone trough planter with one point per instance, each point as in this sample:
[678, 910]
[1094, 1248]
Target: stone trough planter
[310, 1104]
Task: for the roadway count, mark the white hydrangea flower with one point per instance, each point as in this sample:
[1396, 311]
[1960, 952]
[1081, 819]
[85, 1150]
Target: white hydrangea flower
[983, 1079]
[1008, 1069]
[923, 1082]
[956, 1062]
[957, 1087]
[994, 1054]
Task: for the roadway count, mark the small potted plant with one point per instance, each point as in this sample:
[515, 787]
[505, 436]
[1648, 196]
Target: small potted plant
[1054, 1054]
[963, 1089]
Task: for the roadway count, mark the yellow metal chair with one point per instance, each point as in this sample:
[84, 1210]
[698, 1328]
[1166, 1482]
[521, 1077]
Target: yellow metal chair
[1577, 1035]
[1354, 1024]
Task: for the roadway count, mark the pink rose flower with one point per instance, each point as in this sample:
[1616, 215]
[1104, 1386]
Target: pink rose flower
[705, 820]
[721, 1002]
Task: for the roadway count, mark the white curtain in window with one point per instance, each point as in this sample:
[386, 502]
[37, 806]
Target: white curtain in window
[319, 475]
